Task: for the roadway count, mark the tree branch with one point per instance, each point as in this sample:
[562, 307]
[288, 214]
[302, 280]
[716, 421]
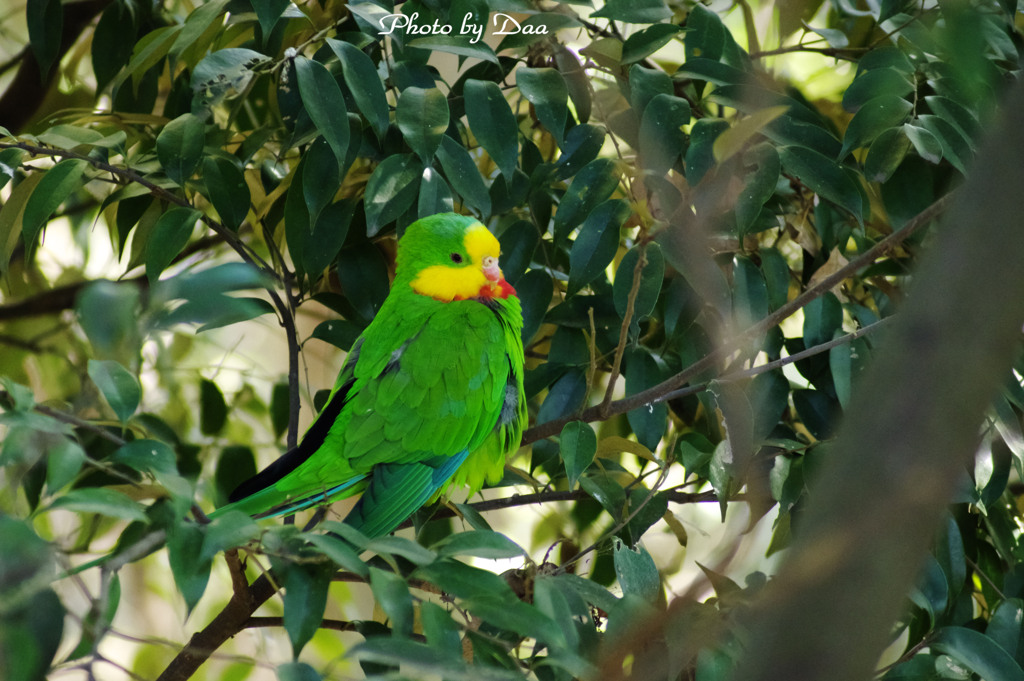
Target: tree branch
[657, 393]
[232, 619]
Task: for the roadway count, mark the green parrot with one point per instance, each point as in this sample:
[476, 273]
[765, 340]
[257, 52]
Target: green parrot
[430, 395]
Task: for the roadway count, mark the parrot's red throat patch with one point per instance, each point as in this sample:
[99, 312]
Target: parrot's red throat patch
[499, 289]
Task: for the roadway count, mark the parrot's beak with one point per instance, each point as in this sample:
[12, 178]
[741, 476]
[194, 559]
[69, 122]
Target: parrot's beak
[496, 286]
[491, 269]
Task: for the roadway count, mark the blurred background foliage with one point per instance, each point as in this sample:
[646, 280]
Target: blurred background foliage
[709, 213]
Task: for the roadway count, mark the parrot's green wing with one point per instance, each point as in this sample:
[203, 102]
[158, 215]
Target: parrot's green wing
[432, 390]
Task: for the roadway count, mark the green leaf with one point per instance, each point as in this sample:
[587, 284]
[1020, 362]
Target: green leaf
[578, 445]
[305, 599]
[213, 410]
[700, 157]
[518, 244]
[720, 473]
[340, 552]
[955, 148]
[634, 11]
[546, 90]
[420, 660]
[392, 595]
[401, 546]
[169, 237]
[515, 616]
[565, 397]
[880, 82]
[643, 370]
[191, 575]
[977, 652]
[422, 116]
[325, 105]
[645, 84]
[636, 572]
[340, 333]
[268, 12]
[146, 54]
[10, 160]
[646, 42]
[817, 410]
[835, 38]
[479, 543]
[455, 45]
[759, 185]
[364, 83]
[45, 19]
[363, 273]
[440, 629]
[712, 71]
[228, 531]
[872, 119]
[197, 24]
[63, 463]
[235, 464]
[120, 388]
[227, 189]
[662, 139]
[108, 314]
[582, 145]
[297, 671]
[605, 491]
[1005, 626]
[840, 364]
[390, 191]
[435, 195]
[596, 245]
[147, 456]
[53, 189]
[320, 181]
[110, 49]
[464, 581]
[591, 187]
[956, 115]
[738, 136]
[180, 147]
[322, 246]
[225, 73]
[100, 500]
[824, 176]
[823, 316]
[535, 290]
[463, 175]
[493, 123]
[886, 153]
[925, 144]
[651, 277]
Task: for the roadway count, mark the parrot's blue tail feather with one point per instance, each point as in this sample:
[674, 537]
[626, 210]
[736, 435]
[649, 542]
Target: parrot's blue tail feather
[396, 491]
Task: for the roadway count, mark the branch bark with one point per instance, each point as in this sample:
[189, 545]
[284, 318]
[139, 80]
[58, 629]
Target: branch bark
[231, 620]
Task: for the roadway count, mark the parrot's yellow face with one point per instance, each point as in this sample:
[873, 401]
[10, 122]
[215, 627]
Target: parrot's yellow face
[468, 269]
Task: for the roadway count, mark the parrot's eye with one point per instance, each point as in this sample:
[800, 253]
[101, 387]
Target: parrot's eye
[456, 258]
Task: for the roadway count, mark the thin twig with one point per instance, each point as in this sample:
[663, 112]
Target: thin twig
[653, 394]
[775, 364]
[627, 321]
